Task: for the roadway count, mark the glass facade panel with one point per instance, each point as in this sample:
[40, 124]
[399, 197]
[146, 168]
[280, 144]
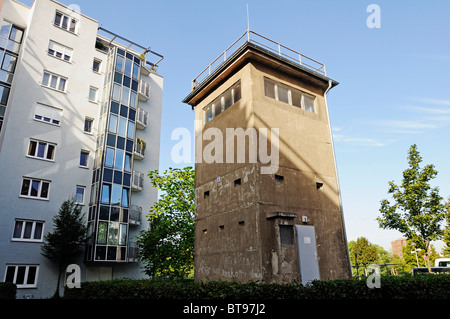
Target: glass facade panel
[109, 157]
[125, 197]
[116, 194]
[114, 173]
[123, 234]
[122, 129]
[102, 232]
[112, 123]
[106, 192]
[113, 233]
[118, 162]
[130, 130]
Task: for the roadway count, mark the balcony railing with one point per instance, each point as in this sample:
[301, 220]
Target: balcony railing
[144, 91]
[269, 45]
[137, 181]
[135, 215]
[133, 252]
[141, 118]
[139, 149]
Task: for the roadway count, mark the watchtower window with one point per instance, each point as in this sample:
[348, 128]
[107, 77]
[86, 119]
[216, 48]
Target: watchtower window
[223, 102]
[288, 95]
[237, 182]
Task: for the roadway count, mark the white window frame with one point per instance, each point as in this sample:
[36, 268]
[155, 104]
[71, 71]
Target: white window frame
[33, 230]
[83, 194]
[99, 65]
[41, 182]
[48, 83]
[25, 279]
[69, 21]
[87, 153]
[46, 150]
[63, 50]
[89, 119]
[95, 90]
[47, 114]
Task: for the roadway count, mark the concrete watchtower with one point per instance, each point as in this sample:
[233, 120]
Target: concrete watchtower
[268, 204]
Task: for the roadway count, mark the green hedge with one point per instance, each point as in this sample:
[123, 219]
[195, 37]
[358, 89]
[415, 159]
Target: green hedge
[7, 290]
[419, 287]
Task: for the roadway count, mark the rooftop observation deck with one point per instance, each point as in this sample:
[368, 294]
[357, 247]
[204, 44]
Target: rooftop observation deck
[267, 44]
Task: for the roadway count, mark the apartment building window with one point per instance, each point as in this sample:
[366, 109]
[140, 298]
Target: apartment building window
[10, 41]
[223, 102]
[10, 37]
[24, 276]
[28, 230]
[288, 95]
[35, 188]
[88, 123]
[8, 63]
[65, 22]
[54, 81]
[4, 94]
[60, 51]
[47, 114]
[42, 150]
[93, 94]
[79, 195]
[84, 156]
[96, 65]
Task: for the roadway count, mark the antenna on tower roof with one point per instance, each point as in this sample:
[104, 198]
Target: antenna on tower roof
[248, 19]
[248, 25]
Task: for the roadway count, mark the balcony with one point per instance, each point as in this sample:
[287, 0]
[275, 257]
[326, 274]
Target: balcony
[139, 149]
[135, 215]
[141, 118]
[133, 252]
[143, 91]
[137, 181]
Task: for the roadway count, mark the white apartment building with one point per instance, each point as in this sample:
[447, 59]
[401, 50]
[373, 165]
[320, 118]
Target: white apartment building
[80, 116]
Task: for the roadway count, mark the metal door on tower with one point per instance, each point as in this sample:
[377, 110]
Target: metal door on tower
[307, 253]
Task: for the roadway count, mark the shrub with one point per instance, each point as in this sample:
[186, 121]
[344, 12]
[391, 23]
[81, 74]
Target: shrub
[419, 287]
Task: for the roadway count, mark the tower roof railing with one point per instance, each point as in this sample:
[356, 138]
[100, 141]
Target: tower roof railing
[266, 43]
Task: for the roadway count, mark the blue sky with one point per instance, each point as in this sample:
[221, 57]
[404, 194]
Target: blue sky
[394, 86]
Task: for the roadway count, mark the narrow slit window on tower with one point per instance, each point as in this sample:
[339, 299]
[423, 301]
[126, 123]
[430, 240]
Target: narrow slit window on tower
[319, 185]
[237, 182]
[279, 179]
[222, 227]
[206, 194]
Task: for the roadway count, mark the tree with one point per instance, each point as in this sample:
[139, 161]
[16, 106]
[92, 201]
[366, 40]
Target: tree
[363, 253]
[446, 235]
[68, 238]
[167, 247]
[411, 260]
[418, 210]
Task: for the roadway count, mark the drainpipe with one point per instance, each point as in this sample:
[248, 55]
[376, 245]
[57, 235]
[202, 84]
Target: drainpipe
[337, 180]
